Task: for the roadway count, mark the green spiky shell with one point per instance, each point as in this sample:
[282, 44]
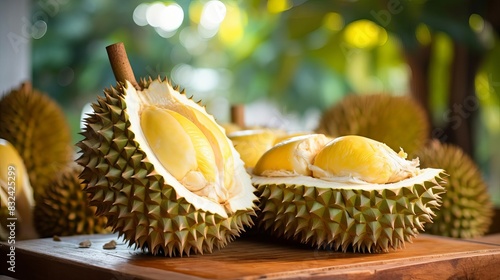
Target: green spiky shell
[397, 121]
[138, 202]
[467, 208]
[347, 219]
[63, 208]
[37, 128]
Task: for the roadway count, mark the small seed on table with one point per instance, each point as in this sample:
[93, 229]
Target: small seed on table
[85, 244]
[110, 245]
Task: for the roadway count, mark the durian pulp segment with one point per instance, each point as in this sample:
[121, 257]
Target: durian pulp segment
[12, 169]
[14, 180]
[227, 194]
[427, 174]
[181, 147]
[292, 157]
[252, 144]
[362, 158]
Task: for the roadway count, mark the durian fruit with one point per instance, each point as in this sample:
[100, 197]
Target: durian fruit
[36, 126]
[397, 121]
[63, 209]
[251, 144]
[349, 193]
[16, 196]
[467, 209]
[163, 172]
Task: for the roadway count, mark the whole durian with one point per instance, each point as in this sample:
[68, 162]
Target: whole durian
[349, 193]
[37, 127]
[397, 121]
[163, 172]
[467, 208]
[63, 209]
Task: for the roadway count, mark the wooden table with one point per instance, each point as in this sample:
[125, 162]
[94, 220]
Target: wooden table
[256, 256]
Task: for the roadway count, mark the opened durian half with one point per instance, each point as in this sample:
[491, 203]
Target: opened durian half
[163, 172]
[347, 193]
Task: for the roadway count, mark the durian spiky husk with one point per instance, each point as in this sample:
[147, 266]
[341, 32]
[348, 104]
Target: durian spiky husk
[302, 199]
[37, 127]
[63, 209]
[467, 208]
[398, 121]
[129, 181]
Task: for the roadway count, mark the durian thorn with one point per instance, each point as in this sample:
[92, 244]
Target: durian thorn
[120, 64]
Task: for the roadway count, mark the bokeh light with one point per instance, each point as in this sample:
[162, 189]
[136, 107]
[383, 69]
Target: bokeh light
[139, 15]
[232, 27]
[364, 34]
[212, 15]
[476, 22]
[333, 21]
[423, 34]
[278, 6]
[38, 29]
[165, 18]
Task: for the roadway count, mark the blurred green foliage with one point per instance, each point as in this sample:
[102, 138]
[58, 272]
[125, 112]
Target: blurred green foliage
[303, 55]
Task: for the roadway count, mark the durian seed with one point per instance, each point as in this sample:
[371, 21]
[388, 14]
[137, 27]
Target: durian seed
[85, 244]
[110, 245]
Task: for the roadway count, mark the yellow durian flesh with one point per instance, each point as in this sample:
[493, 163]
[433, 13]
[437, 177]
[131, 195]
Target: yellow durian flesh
[15, 189]
[251, 144]
[291, 157]
[362, 158]
[216, 167]
[181, 147]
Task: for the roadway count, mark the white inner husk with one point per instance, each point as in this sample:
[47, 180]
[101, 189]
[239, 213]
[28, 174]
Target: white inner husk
[423, 175]
[241, 194]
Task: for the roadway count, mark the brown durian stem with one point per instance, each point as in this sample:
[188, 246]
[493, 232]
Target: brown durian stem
[238, 115]
[121, 66]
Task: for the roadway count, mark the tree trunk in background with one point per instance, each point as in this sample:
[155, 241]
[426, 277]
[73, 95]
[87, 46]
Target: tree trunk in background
[463, 104]
[419, 61]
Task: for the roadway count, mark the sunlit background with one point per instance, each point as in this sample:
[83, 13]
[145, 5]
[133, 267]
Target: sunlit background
[286, 61]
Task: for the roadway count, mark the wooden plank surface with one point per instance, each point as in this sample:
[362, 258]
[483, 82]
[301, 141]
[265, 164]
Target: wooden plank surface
[256, 256]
